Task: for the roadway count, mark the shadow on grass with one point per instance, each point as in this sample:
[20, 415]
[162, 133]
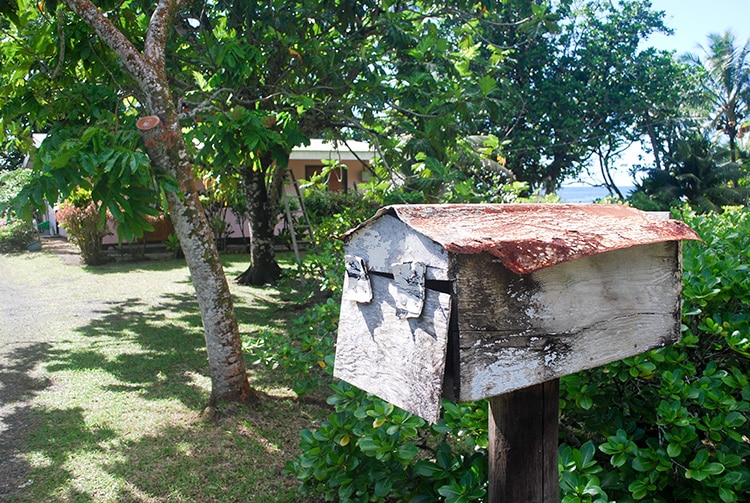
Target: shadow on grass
[149, 349]
[240, 458]
[60, 435]
[156, 350]
[17, 387]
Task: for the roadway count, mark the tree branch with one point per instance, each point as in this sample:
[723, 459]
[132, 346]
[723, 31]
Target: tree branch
[158, 29]
[61, 52]
[133, 60]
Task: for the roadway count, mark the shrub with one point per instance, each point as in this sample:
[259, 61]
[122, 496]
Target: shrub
[307, 355]
[16, 235]
[85, 226]
[672, 424]
[369, 450]
[346, 208]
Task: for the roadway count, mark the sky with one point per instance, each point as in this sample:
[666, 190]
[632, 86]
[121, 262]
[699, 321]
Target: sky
[692, 22]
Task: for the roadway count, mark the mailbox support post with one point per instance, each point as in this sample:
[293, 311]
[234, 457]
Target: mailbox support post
[523, 439]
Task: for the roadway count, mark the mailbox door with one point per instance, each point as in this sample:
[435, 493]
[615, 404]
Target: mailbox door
[396, 356]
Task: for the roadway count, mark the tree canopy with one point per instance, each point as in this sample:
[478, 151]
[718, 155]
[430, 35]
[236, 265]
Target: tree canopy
[725, 81]
[554, 83]
[457, 98]
[701, 161]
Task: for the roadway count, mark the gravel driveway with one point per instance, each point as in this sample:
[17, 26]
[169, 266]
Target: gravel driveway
[27, 327]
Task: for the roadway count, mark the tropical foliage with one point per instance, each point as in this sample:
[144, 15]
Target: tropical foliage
[16, 233]
[700, 160]
[725, 84]
[697, 171]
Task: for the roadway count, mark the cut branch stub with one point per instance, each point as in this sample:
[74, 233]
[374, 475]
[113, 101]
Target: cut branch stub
[148, 123]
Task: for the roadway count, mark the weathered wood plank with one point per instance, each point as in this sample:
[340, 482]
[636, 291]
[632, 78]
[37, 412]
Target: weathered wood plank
[387, 241]
[400, 360]
[516, 331]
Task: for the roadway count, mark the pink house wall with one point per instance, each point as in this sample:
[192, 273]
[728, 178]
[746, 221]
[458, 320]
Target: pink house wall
[300, 159]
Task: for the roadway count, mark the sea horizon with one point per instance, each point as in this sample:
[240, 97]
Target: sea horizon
[587, 194]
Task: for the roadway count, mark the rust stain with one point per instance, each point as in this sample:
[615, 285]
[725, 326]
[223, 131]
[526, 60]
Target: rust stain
[528, 237]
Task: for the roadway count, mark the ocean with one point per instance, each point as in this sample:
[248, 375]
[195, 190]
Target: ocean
[585, 194]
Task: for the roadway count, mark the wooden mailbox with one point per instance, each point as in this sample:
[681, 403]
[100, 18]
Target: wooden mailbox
[475, 301]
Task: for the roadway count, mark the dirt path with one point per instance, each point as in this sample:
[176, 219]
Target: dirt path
[23, 342]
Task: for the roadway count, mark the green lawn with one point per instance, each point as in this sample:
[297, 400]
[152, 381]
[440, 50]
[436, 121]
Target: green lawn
[120, 373]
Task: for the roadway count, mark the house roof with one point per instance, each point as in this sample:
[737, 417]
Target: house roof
[528, 237]
[324, 149]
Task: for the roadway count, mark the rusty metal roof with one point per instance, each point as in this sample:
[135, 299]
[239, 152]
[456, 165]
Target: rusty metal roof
[528, 237]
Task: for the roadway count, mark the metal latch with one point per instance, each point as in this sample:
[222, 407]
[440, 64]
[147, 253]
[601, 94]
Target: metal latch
[409, 278]
[357, 286]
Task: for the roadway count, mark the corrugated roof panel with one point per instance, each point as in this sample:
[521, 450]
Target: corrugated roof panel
[528, 237]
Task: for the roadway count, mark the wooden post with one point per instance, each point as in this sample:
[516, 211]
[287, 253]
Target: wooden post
[523, 428]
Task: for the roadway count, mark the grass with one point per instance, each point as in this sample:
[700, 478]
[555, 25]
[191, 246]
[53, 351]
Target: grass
[118, 363]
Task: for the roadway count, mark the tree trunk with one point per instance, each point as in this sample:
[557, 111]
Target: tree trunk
[166, 149]
[654, 141]
[609, 182]
[227, 367]
[262, 215]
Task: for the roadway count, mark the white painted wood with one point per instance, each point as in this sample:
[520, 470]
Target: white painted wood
[517, 331]
[388, 240]
[400, 360]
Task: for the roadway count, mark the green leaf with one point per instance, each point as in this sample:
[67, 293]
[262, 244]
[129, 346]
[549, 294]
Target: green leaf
[638, 489]
[674, 449]
[727, 495]
[383, 487]
[430, 470]
[453, 494]
[585, 402]
[487, 84]
[642, 464]
[713, 468]
[406, 452]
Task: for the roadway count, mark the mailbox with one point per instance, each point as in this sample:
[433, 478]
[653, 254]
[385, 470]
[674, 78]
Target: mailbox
[474, 301]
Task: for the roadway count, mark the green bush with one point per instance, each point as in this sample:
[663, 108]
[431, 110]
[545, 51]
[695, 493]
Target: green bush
[16, 235]
[672, 424]
[368, 450]
[322, 204]
[306, 356]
